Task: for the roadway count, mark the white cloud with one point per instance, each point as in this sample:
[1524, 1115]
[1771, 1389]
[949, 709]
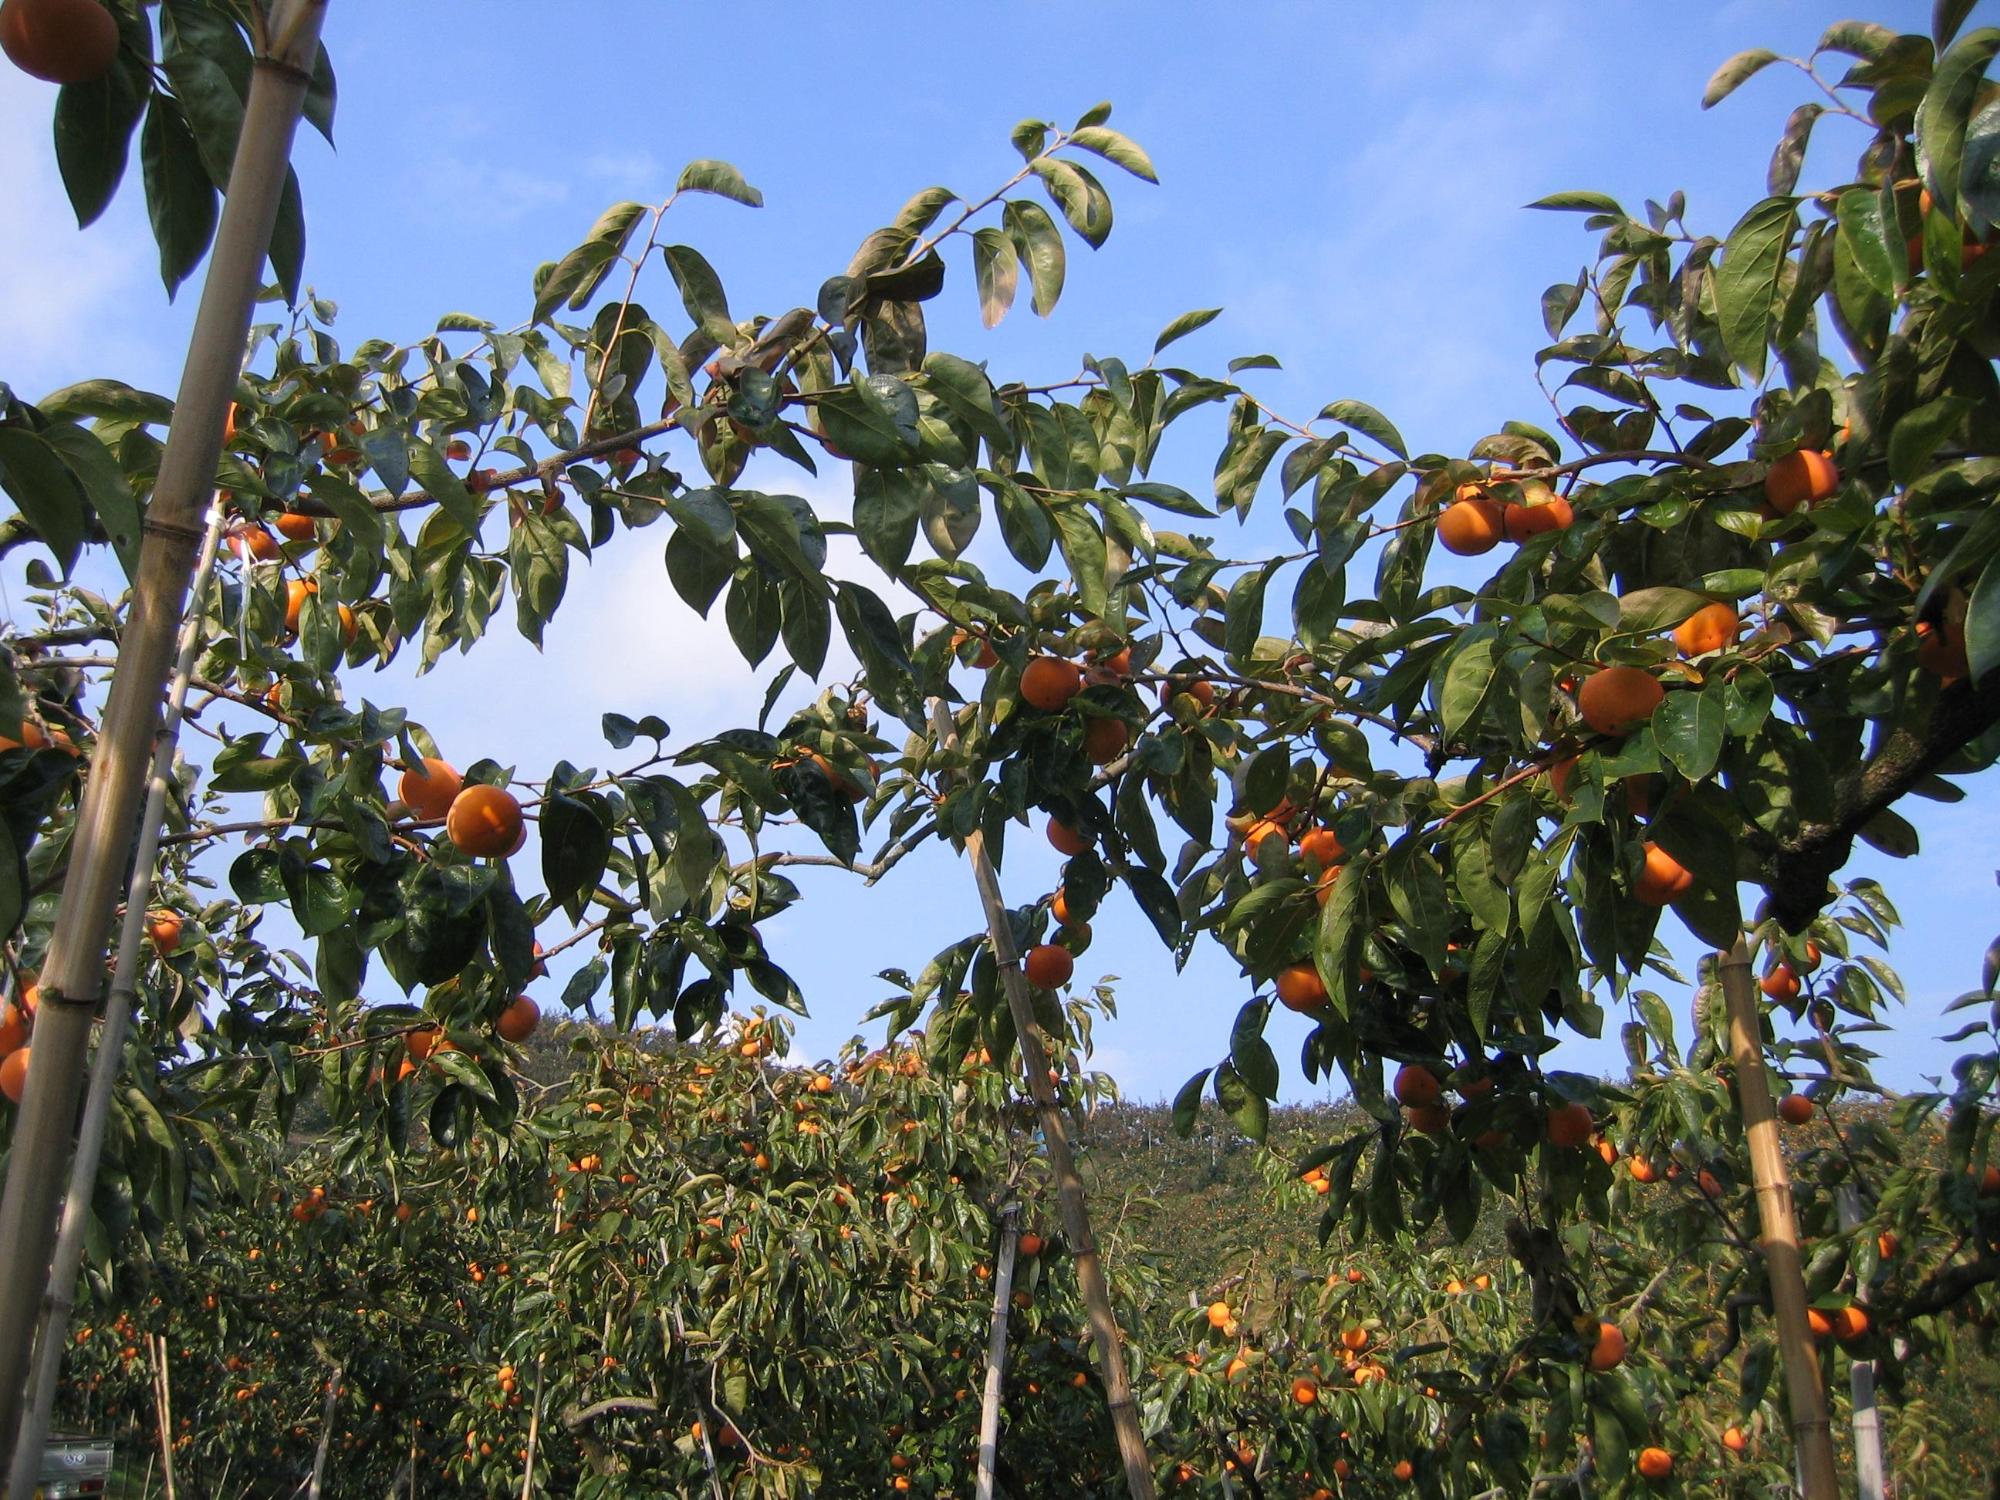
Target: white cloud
[56, 283]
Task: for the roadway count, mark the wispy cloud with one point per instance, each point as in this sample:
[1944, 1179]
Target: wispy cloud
[56, 285]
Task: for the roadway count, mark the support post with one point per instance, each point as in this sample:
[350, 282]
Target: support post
[73, 976]
[534, 1434]
[1869, 1472]
[1812, 1432]
[53, 1340]
[325, 1432]
[996, 1350]
[1062, 1160]
[163, 1408]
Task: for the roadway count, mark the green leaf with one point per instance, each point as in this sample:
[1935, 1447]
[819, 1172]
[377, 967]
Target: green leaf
[701, 293]
[1080, 196]
[1790, 155]
[1083, 549]
[428, 465]
[1979, 179]
[1244, 616]
[1747, 280]
[1727, 78]
[949, 506]
[1366, 419]
[576, 277]
[1918, 433]
[93, 127]
[1579, 202]
[97, 473]
[1417, 894]
[1187, 1104]
[321, 95]
[1117, 148]
[13, 883]
[1250, 1054]
[1039, 244]
[1184, 325]
[886, 502]
[288, 240]
[871, 630]
[1250, 1110]
[110, 399]
[180, 199]
[1862, 39]
[1982, 623]
[997, 271]
[1167, 497]
[575, 847]
[539, 560]
[1877, 253]
[34, 475]
[720, 178]
[1943, 114]
[1689, 727]
[1468, 678]
[1651, 610]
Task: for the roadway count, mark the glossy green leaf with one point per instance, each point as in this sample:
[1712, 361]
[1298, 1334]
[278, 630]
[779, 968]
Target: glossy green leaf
[720, 178]
[1945, 111]
[180, 199]
[1115, 147]
[1734, 73]
[1746, 282]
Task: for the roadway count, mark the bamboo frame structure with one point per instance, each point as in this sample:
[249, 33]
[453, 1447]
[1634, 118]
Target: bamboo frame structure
[1812, 1431]
[996, 1352]
[73, 976]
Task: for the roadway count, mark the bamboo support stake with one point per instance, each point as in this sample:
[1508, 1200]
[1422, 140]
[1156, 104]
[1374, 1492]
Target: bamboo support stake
[325, 1432]
[1812, 1432]
[534, 1433]
[996, 1350]
[163, 1408]
[73, 976]
[1869, 1473]
[53, 1340]
[1062, 1160]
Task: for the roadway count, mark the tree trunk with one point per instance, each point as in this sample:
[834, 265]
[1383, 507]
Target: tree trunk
[1812, 1433]
[73, 977]
[1055, 1135]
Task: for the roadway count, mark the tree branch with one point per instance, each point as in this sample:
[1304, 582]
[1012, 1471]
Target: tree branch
[1948, 1286]
[1798, 871]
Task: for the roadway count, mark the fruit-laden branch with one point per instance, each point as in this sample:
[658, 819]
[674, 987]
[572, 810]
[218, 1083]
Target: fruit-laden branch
[1797, 872]
[1947, 1287]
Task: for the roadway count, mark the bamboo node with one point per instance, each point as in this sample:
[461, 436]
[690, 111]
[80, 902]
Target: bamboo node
[285, 69]
[52, 995]
[174, 532]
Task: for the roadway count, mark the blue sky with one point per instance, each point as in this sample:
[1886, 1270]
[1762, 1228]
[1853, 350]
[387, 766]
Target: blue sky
[1347, 181]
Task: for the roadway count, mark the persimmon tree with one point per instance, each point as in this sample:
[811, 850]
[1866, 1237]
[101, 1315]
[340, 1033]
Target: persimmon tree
[1747, 603]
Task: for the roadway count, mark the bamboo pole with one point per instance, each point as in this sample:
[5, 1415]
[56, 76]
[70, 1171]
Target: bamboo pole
[1062, 1160]
[73, 976]
[1869, 1472]
[534, 1433]
[1812, 1432]
[996, 1350]
[325, 1432]
[53, 1340]
[163, 1408]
